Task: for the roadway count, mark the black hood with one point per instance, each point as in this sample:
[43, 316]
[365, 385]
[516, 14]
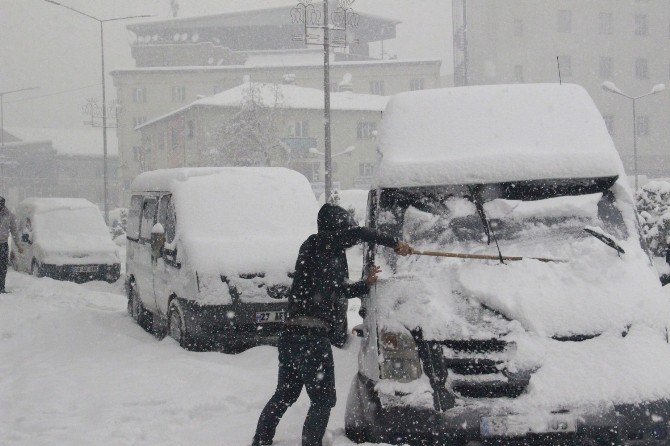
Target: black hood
[334, 218]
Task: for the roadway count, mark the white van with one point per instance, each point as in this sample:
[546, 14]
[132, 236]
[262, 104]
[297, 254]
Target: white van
[568, 345]
[65, 239]
[211, 252]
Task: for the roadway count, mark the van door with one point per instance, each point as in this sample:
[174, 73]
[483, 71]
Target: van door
[143, 264]
[166, 266]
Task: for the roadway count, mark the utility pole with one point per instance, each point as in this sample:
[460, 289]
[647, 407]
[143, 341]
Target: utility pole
[104, 98]
[343, 17]
[612, 88]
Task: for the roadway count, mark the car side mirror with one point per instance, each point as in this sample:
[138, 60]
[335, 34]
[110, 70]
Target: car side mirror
[157, 241]
[359, 331]
[25, 238]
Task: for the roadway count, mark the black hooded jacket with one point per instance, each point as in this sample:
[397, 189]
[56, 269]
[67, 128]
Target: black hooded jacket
[321, 272]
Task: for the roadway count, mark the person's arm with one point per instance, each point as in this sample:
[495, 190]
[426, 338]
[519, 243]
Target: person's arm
[362, 287]
[347, 238]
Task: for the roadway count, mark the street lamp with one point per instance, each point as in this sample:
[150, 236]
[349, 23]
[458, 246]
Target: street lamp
[104, 100]
[315, 151]
[612, 88]
[2, 112]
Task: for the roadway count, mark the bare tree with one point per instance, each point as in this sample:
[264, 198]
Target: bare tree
[251, 136]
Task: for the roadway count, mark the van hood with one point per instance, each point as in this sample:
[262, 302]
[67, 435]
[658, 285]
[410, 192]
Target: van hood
[76, 246]
[578, 298]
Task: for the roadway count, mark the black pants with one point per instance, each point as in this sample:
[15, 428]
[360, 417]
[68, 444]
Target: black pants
[305, 359]
[4, 259]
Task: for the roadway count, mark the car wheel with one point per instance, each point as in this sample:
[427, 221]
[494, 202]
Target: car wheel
[355, 425]
[178, 329]
[36, 269]
[141, 315]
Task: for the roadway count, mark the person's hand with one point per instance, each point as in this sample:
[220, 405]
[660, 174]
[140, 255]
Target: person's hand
[403, 249]
[373, 275]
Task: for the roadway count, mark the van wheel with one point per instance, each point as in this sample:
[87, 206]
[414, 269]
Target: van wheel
[36, 269]
[177, 328]
[136, 309]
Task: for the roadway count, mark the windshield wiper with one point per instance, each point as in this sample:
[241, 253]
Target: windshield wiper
[605, 238]
[488, 229]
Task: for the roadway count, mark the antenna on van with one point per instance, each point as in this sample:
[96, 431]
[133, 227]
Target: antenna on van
[558, 63]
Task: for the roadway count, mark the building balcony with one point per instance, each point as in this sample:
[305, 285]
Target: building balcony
[299, 146]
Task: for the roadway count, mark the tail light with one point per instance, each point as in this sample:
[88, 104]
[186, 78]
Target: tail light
[399, 357]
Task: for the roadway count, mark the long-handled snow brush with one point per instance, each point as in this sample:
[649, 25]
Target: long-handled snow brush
[456, 255]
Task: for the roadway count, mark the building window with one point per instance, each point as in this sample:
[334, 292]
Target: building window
[178, 93]
[316, 172]
[518, 28]
[139, 95]
[377, 87]
[139, 120]
[641, 25]
[416, 84]
[641, 68]
[564, 24]
[366, 130]
[299, 129]
[606, 67]
[518, 73]
[642, 125]
[565, 62]
[609, 122]
[174, 138]
[365, 170]
[190, 129]
[605, 20]
[137, 153]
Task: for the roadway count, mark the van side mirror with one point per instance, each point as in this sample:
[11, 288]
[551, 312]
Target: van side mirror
[157, 241]
[25, 238]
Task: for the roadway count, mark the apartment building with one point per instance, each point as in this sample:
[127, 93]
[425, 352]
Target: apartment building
[623, 41]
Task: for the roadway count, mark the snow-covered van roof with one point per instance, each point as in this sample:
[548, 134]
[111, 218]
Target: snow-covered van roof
[493, 133]
[40, 205]
[164, 179]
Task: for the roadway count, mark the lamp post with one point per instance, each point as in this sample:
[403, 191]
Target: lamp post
[612, 88]
[104, 99]
[343, 18]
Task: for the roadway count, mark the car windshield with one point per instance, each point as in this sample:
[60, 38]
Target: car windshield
[448, 219]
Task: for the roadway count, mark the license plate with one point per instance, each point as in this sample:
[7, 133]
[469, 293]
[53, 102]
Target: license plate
[519, 425]
[85, 269]
[263, 317]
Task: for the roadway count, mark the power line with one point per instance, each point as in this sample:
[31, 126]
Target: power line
[53, 94]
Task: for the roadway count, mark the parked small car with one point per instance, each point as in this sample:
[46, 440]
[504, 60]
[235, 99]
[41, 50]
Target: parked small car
[211, 252]
[568, 345]
[65, 239]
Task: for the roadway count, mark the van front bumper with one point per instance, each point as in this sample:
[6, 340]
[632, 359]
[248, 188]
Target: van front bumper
[626, 424]
[235, 323]
[82, 273]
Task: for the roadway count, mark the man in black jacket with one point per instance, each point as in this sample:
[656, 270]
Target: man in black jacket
[319, 285]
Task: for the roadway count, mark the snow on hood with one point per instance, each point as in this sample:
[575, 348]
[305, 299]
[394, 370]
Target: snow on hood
[244, 220]
[492, 134]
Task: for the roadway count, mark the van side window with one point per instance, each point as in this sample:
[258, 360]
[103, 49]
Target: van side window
[148, 218]
[167, 217]
[133, 229]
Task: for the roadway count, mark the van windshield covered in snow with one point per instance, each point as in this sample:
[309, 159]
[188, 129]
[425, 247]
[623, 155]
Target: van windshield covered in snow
[527, 219]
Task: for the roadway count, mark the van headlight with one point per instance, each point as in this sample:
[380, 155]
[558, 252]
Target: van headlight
[399, 357]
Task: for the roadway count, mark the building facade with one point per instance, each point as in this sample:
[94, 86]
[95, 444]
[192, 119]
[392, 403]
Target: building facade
[181, 60]
[626, 42]
[190, 136]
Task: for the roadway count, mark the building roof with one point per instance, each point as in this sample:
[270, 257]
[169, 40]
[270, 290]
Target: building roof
[285, 96]
[257, 64]
[72, 142]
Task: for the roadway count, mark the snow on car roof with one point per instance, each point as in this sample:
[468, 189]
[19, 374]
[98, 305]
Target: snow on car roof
[493, 133]
[39, 205]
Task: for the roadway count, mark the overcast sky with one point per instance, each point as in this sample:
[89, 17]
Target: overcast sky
[57, 50]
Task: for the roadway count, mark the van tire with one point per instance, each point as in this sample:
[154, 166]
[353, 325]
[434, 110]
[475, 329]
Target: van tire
[141, 315]
[177, 327]
[356, 427]
[36, 269]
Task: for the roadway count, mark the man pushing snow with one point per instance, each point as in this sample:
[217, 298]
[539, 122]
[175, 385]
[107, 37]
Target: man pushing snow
[7, 227]
[305, 355]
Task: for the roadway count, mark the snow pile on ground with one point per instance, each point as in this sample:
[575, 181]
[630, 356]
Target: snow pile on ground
[77, 371]
[653, 204]
[493, 133]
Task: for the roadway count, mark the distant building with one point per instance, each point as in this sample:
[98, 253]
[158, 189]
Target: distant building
[182, 59]
[56, 162]
[626, 42]
[190, 135]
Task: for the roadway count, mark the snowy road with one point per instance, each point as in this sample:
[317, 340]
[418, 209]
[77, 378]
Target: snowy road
[75, 370]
